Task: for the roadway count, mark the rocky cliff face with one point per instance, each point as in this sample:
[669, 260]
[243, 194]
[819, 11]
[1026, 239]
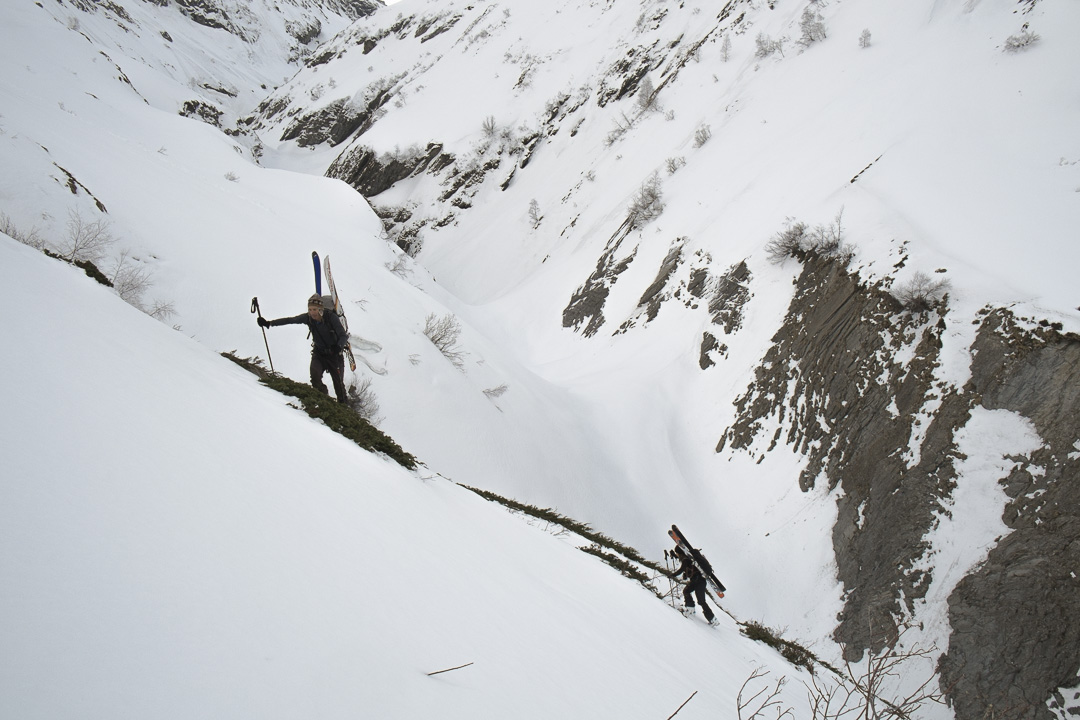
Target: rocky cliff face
[851, 378]
[1014, 638]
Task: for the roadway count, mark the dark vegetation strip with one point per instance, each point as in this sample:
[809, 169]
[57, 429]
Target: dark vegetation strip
[340, 418]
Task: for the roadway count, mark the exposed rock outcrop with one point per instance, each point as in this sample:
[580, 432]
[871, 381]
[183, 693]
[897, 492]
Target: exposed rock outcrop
[212, 15]
[371, 173]
[354, 9]
[833, 380]
[850, 381]
[729, 298]
[1015, 639]
[652, 297]
[199, 110]
[586, 306]
[337, 122]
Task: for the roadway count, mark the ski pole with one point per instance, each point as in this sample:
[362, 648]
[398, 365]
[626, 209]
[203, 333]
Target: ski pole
[671, 582]
[255, 309]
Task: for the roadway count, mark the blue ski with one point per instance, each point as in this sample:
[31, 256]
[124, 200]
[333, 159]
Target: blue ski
[318, 272]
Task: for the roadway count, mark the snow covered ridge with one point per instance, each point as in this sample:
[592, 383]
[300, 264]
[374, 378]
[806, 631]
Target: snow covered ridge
[374, 106]
[178, 541]
[884, 424]
[193, 41]
[315, 108]
[240, 18]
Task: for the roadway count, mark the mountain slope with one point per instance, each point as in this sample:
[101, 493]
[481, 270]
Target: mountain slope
[627, 365]
[179, 541]
[646, 187]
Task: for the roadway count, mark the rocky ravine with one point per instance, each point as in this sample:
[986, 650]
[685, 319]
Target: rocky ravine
[852, 377]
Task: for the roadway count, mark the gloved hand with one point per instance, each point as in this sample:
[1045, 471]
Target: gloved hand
[263, 322]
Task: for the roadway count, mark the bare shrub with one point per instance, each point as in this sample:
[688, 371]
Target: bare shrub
[766, 46]
[31, 238]
[674, 163]
[828, 240]
[864, 39]
[788, 243]
[1020, 41]
[763, 701]
[647, 204]
[812, 25]
[725, 49]
[161, 310]
[922, 293]
[130, 279]
[798, 241]
[646, 97]
[489, 127]
[444, 333]
[86, 241]
[622, 126]
[702, 135]
[497, 391]
[529, 64]
[400, 266]
[866, 693]
[361, 398]
[535, 216]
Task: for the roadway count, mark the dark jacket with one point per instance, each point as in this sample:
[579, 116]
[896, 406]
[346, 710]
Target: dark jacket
[686, 568]
[328, 337]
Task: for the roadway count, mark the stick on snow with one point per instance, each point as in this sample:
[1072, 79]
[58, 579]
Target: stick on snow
[683, 705]
[437, 672]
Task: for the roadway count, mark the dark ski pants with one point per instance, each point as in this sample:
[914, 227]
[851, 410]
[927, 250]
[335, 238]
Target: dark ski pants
[697, 587]
[333, 364]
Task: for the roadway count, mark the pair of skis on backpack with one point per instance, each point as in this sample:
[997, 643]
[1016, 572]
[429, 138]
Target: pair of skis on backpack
[699, 561]
[331, 301]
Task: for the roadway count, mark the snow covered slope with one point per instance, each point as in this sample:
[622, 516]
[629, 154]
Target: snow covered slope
[627, 370]
[178, 541]
[632, 190]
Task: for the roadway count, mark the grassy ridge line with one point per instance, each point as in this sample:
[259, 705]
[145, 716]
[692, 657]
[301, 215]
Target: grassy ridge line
[338, 417]
[599, 540]
[551, 516]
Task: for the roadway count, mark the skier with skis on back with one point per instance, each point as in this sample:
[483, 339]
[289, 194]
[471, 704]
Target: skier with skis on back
[698, 572]
[328, 340]
[695, 583]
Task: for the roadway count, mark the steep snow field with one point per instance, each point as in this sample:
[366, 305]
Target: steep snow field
[176, 541]
[179, 542]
